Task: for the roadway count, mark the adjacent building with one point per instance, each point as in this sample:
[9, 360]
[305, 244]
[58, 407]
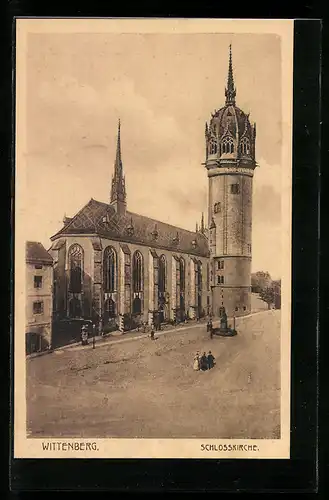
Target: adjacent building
[39, 297]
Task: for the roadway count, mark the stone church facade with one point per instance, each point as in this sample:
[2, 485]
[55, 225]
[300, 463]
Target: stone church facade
[119, 268]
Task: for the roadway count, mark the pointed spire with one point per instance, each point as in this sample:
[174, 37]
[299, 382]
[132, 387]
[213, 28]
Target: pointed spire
[118, 191]
[230, 91]
[202, 223]
[118, 161]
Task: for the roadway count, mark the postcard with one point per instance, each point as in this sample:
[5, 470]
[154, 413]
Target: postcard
[153, 193]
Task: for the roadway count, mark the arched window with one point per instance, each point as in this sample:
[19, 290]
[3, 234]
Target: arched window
[245, 146]
[137, 272]
[75, 308]
[182, 275]
[137, 305]
[110, 270]
[227, 145]
[212, 146]
[162, 274]
[198, 276]
[109, 309]
[76, 268]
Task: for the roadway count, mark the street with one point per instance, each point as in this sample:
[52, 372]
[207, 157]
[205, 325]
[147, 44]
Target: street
[145, 388]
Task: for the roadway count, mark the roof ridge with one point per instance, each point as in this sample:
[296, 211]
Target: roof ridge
[162, 222]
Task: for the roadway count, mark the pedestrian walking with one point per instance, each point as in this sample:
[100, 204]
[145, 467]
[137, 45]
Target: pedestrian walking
[211, 360]
[204, 362]
[152, 332]
[196, 362]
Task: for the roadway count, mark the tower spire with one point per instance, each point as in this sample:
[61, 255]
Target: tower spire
[202, 223]
[118, 190]
[230, 91]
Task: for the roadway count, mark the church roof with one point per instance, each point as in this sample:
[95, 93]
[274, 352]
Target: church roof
[35, 253]
[100, 218]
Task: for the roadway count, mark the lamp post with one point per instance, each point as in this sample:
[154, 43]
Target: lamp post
[94, 340]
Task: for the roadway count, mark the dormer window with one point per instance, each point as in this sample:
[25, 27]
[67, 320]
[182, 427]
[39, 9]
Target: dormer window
[155, 233]
[176, 239]
[130, 228]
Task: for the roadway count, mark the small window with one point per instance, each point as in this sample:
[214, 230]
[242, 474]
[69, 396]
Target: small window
[235, 189]
[218, 280]
[244, 308]
[38, 266]
[222, 303]
[222, 279]
[222, 264]
[218, 264]
[37, 281]
[37, 307]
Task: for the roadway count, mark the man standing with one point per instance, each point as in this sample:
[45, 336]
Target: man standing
[211, 360]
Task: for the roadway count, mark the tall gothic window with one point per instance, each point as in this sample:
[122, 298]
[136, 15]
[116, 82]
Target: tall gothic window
[162, 274]
[182, 275]
[137, 272]
[245, 146]
[76, 268]
[227, 145]
[199, 276]
[110, 270]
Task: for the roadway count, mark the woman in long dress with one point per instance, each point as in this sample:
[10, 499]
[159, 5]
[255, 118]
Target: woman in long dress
[196, 363]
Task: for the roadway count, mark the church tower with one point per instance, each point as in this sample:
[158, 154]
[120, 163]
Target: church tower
[230, 163]
[118, 189]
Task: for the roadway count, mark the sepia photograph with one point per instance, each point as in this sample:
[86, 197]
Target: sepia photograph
[153, 238]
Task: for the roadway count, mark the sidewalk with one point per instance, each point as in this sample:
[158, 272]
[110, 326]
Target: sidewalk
[118, 337]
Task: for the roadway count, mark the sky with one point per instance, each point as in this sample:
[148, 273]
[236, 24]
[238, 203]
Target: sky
[163, 87]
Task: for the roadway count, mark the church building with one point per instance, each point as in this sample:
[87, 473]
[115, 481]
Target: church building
[120, 268]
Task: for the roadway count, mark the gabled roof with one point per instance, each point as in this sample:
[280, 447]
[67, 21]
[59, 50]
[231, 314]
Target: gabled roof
[35, 253]
[100, 218]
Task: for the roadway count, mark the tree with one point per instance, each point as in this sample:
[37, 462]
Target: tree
[268, 296]
[260, 281]
[277, 293]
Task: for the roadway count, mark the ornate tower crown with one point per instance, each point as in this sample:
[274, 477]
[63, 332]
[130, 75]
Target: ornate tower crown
[230, 91]
[229, 134]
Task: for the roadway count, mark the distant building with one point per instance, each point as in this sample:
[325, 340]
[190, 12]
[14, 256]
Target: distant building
[39, 301]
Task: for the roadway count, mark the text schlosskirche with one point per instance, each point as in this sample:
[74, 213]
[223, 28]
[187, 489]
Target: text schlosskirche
[229, 447]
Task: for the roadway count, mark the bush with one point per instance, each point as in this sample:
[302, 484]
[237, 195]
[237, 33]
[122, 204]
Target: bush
[111, 326]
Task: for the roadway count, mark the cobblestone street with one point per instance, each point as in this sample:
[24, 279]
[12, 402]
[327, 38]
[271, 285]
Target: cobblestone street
[145, 388]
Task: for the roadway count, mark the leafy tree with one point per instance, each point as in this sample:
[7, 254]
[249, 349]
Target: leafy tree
[260, 281]
[268, 296]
